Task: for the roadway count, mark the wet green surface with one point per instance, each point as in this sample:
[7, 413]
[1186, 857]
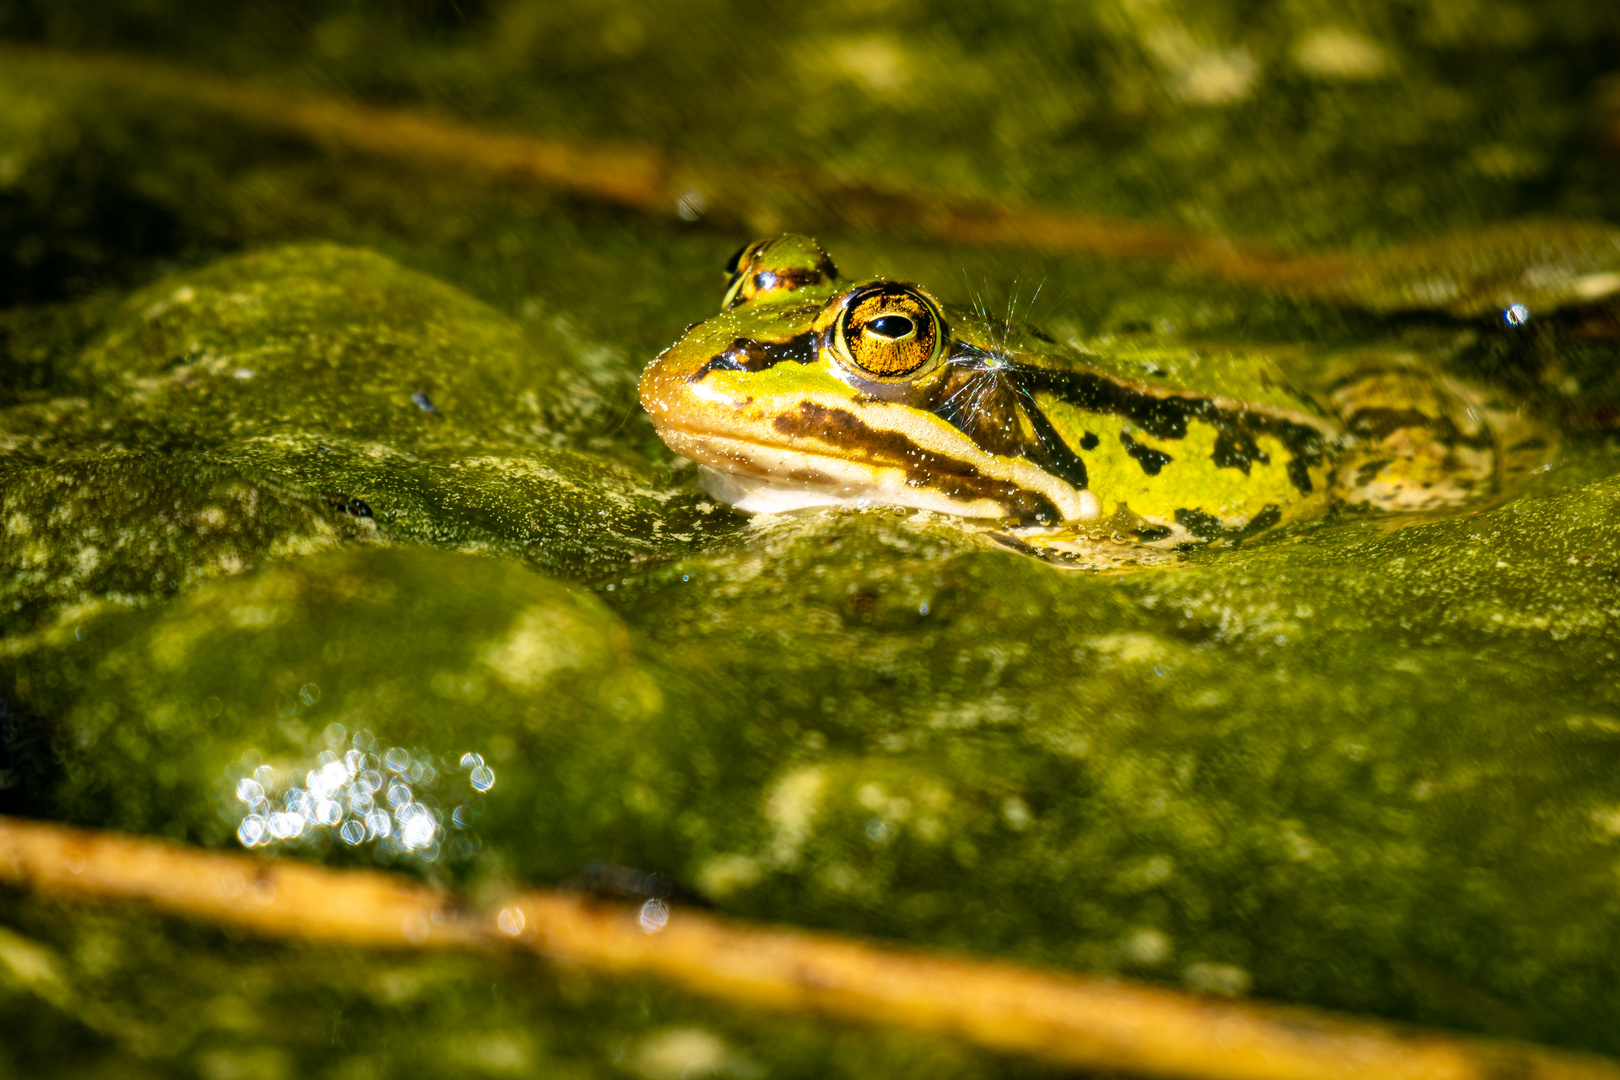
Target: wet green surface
[306, 454]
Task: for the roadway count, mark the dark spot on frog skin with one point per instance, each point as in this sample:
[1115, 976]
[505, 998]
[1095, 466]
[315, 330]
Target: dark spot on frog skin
[1051, 453]
[747, 354]
[1377, 423]
[1265, 519]
[1151, 460]
[1368, 471]
[953, 478]
[348, 504]
[1166, 417]
[1088, 441]
[1209, 527]
[1299, 472]
[1202, 525]
[1236, 449]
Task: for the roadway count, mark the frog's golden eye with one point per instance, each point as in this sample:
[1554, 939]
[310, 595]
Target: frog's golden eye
[888, 331]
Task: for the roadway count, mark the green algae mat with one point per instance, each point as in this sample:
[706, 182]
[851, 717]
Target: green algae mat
[333, 528]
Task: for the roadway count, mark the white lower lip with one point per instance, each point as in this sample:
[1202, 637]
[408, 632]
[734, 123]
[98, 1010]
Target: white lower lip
[838, 482]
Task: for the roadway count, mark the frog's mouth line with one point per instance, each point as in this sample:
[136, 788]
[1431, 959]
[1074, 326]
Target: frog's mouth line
[792, 472]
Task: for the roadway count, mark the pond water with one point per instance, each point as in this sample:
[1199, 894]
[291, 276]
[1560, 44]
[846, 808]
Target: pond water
[334, 529]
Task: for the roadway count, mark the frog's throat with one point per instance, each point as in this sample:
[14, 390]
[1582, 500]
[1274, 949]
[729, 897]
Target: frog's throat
[763, 476]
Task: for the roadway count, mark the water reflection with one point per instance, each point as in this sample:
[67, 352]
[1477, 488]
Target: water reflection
[357, 791]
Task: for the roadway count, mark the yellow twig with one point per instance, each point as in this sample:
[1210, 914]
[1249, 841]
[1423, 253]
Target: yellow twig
[1090, 1022]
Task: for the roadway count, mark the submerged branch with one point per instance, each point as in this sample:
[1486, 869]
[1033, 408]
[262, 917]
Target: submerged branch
[765, 197]
[1076, 1020]
[1545, 266]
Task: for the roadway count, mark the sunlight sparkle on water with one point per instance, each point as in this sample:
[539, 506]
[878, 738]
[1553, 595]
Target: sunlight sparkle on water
[340, 794]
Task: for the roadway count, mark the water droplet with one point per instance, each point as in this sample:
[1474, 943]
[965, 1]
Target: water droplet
[378, 823]
[654, 916]
[253, 831]
[690, 205]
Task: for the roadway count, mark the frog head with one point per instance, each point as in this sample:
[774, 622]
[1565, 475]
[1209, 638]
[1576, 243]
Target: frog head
[809, 390]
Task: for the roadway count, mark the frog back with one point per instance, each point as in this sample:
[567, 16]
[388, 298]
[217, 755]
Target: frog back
[1175, 443]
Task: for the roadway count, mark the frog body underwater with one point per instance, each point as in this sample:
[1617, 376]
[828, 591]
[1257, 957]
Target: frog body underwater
[809, 390]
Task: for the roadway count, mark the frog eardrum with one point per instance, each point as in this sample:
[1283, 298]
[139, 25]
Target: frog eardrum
[888, 331]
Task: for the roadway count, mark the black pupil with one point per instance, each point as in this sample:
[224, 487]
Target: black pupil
[891, 326]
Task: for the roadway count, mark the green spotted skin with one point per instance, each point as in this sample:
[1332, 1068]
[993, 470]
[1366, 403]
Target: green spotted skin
[808, 389]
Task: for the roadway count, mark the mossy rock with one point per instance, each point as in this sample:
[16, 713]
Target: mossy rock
[1242, 775]
[290, 400]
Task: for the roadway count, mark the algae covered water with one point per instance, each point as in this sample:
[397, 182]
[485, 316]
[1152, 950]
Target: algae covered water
[333, 529]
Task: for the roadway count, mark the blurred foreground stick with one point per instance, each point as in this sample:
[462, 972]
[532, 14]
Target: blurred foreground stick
[1089, 1022]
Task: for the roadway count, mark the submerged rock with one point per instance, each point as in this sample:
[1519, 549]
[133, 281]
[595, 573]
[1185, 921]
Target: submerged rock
[1357, 767]
[285, 401]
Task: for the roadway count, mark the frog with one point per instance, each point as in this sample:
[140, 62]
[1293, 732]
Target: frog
[812, 390]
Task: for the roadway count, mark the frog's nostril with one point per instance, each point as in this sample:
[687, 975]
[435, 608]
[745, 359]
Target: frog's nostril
[893, 327]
